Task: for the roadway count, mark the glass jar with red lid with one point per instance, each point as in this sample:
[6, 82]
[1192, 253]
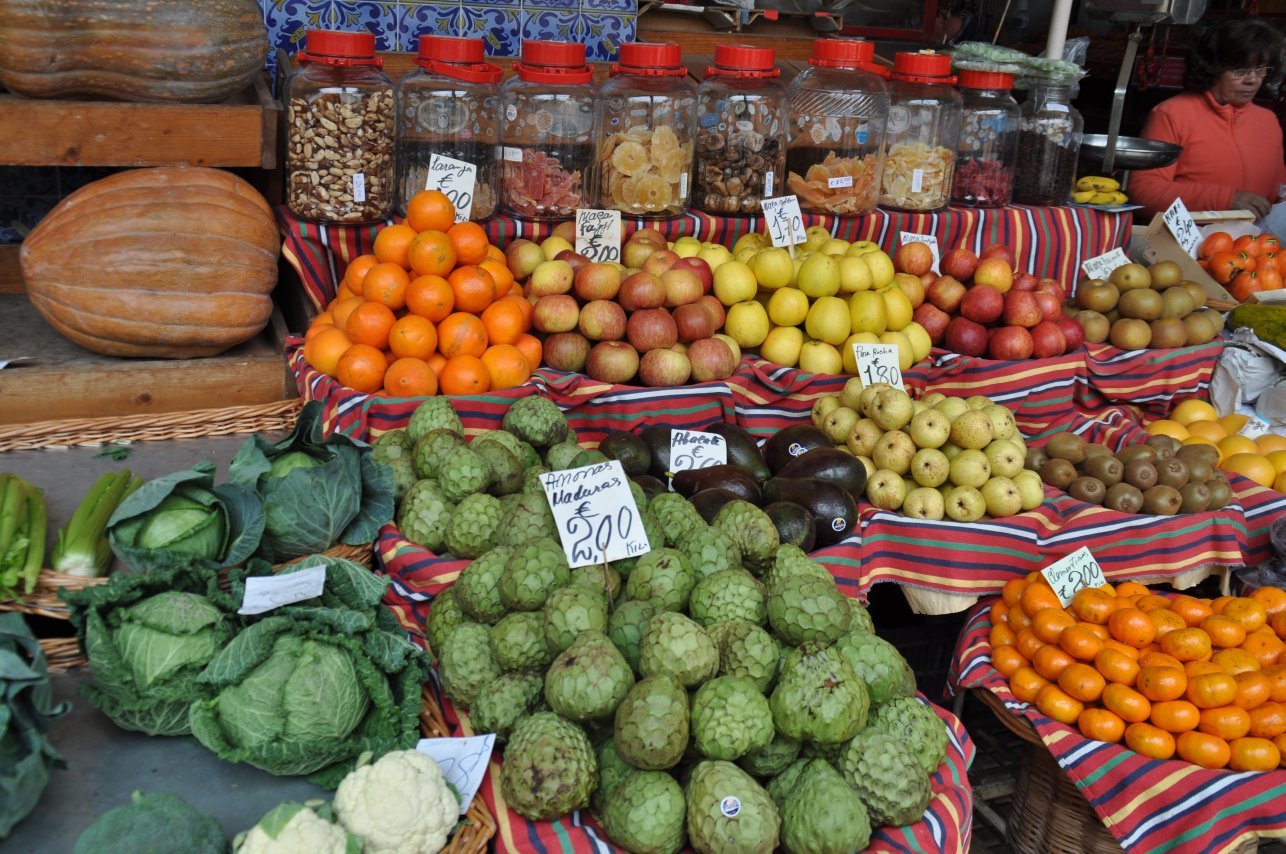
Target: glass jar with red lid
[647, 112]
[447, 117]
[921, 134]
[340, 130]
[547, 133]
[742, 114]
[988, 147]
[838, 108]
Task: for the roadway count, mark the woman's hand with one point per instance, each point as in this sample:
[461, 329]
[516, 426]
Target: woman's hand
[1258, 205]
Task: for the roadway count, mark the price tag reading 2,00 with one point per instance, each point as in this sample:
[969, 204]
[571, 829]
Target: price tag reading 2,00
[1072, 573]
[784, 221]
[456, 180]
[595, 513]
[598, 234]
[878, 363]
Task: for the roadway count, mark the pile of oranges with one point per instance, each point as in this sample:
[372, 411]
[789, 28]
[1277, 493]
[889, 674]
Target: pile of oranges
[1262, 459]
[1203, 680]
[433, 309]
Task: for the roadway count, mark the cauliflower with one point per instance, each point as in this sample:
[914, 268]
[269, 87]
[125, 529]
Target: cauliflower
[296, 829]
[400, 805]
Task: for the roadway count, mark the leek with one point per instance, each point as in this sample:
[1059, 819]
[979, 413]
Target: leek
[82, 547]
[22, 535]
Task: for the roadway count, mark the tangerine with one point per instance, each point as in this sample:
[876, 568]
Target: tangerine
[1246, 611]
[1011, 593]
[430, 210]
[1126, 703]
[470, 241]
[1150, 741]
[431, 297]
[1025, 683]
[1116, 666]
[1264, 647]
[1175, 716]
[362, 368]
[1225, 721]
[1165, 620]
[1235, 661]
[1081, 682]
[1160, 684]
[392, 243]
[1276, 676]
[1026, 642]
[1007, 659]
[1101, 725]
[1253, 690]
[1132, 588]
[461, 334]
[1080, 642]
[410, 377]
[1224, 632]
[1210, 690]
[1273, 599]
[1050, 661]
[1093, 605]
[1038, 596]
[1190, 609]
[507, 366]
[1199, 748]
[1253, 754]
[1132, 626]
[340, 310]
[431, 253]
[1056, 703]
[464, 374]
[1048, 623]
[1189, 644]
[413, 336]
[1267, 720]
[1001, 634]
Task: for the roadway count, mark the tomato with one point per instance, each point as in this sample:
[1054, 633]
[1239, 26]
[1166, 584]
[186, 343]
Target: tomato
[1243, 285]
[1270, 279]
[1248, 245]
[1224, 267]
[1268, 243]
[1208, 751]
[1219, 241]
[1268, 261]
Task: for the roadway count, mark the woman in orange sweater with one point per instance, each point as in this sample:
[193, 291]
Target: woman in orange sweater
[1232, 149]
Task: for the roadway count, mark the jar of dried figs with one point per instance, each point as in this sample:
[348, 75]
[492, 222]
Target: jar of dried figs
[547, 132]
[647, 112]
[921, 134]
[984, 176]
[447, 125]
[340, 131]
[741, 136]
[1048, 145]
[837, 116]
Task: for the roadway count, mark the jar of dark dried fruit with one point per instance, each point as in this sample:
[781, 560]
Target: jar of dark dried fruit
[1048, 145]
[984, 176]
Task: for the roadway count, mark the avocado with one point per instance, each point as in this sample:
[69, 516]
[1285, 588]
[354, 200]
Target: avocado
[657, 440]
[631, 450]
[691, 481]
[795, 525]
[710, 501]
[839, 467]
[795, 441]
[743, 450]
[834, 511]
[652, 486]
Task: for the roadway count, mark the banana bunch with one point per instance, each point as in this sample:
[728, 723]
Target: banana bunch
[1097, 190]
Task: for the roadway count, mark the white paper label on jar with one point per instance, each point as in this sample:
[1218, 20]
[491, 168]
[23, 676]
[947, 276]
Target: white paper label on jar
[840, 181]
[768, 184]
[359, 187]
[513, 155]
[683, 186]
[511, 112]
[917, 180]
[899, 119]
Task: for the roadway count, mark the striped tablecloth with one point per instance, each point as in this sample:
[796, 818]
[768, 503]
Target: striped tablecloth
[1046, 241]
[1148, 805]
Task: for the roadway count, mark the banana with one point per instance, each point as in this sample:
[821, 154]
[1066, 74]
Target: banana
[1086, 184]
[1119, 198]
[1082, 197]
[1098, 183]
[1102, 199]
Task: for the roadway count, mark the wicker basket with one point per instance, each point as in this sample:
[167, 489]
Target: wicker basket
[363, 554]
[43, 601]
[475, 832]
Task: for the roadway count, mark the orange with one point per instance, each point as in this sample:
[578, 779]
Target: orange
[1254, 466]
[1233, 421]
[1253, 690]
[392, 243]
[1272, 598]
[386, 284]
[413, 336]
[1150, 741]
[437, 362]
[495, 253]
[1225, 632]
[430, 297]
[465, 375]
[1006, 659]
[1246, 611]
[1101, 725]
[1012, 592]
[1132, 626]
[1056, 703]
[1048, 623]
[320, 322]
[1212, 430]
[431, 253]
[531, 348]
[1186, 644]
[1026, 684]
[470, 241]
[1235, 444]
[1235, 661]
[1253, 754]
[1175, 715]
[1210, 690]
[362, 368]
[410, 377]
[507, 366]
[1159, 684]
[1166, 427]
[499, 271]
[1165, 620]
[1037, 596]
[1268, 720]
[430, 209]
[1080, 642]
[1199, 748]
[461, 334]
[1001, 635]
[324, 350]
[1265, 647]
[1270, 442]
[1093, 605]
[340, 309]
[1276, 676]
[370, 324]
[473, 287]
[1192, 409]
[358, 268]
[1050, 661]
[504, 320]
[1278, 459]
[1082, 682]
[1191, 609]
[1126, 703]
[998, 612]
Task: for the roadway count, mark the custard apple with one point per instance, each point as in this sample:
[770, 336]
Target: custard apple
[710, 550]
[646, 814]
[445, 614]
[663, 578]
[536, 569]
[677, 517]
[626, 627]
[803, 609]
[819, 697]
[732, 594]
[504, 701]
[571, 610]
[463, 473]
[476, 589]
[536, 420]
[746, 650]
[730, 717]
[675, 646]
[728, 812]
[771, 759]
[612, 771]
[506, 469]
[651, 727]
[465, 662]
[753, 532]
[518, 642]
[433, 414]
[559, 457]
[823, 815]
[888, 779]
[549, 768]
[423, 515]
[791, 560]
[881, 666]
[917, 726]
[473, 525]
[589, 679]
[433, 448]
[529, 519]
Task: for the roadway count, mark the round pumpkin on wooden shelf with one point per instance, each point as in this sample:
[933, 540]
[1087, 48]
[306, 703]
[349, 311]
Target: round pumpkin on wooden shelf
[170, 262]
[137, 50]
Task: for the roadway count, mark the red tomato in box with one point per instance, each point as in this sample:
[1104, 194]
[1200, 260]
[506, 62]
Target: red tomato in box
[1224, 267]
[1269, 243]
[1219, 241]
[1249, 245]
[1244, 285]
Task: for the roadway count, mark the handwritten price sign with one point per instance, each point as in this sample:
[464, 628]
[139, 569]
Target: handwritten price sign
[1079, 569]
[878, 363]
[456, 180]
[598, 234]
[930, 240]
[1181, 225]
[1255, 427]
[783, 220]
[1101, 266]
[264, 593]
[595, 512]
[693, 449]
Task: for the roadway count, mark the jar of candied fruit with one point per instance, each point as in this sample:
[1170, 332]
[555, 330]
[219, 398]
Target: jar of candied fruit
[921, 134]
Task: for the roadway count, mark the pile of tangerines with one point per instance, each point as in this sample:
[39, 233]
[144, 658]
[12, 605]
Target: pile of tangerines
[433, 309]
[1201, 680]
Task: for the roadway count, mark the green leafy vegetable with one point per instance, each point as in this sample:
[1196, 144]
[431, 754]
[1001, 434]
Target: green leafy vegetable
[22, 535]
[158, 823]
[183, 519]
[316, 490]
[82, 547]
[27, 710]
[115, 453]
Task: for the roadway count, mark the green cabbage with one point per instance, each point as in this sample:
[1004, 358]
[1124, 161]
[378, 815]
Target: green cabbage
[316, 490]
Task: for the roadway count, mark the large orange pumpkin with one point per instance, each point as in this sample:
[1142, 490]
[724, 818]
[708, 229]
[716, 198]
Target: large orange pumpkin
[172, 262]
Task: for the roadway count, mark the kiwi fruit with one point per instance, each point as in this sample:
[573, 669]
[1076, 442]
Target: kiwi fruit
[1162, 501]
[1094, 449]
[1173, 473]
[1196, 498]
[1036, 457]
[1088, 489]
[1137, 452]
[1066, 446]
[1208, 453]
[1124, 498]
[1105, 468]
[1165, 446]
[1058, 473]
[1199, 471]
[1141, 473]
[1220, 493]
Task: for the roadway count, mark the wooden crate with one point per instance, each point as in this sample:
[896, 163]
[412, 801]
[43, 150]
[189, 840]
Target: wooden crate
[239, 132]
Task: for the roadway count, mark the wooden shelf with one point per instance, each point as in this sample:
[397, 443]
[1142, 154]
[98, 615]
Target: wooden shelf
[240, 132]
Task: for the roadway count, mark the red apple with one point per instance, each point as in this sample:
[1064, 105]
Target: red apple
[571, 256]
[701, 268]
[999, 250]
[1054, 287]
[1048, 340]
[664, 368]
[660, 261]
[650, 329]
[566, 230]
[982, 304]
[996, 272]
[1073, 333]
[612, 362]
[946, 293]
[649, 235]
[597, 281]
[636, 252]
[914, 258]
[693, 321]
[1021, 309]
[551, 277]
[715, 309]
[1010, 343]
[681, 287]
[711, 359]
[555, 313]
[602, 320]
[522, 257]
[934, 320]
[641, 290]
[1025, 282]
[928, 279]
[566, 351]
[959, 263]
[966, 337]
[1050, 307]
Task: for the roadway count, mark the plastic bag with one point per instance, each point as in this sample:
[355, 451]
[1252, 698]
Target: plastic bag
[1076, 50]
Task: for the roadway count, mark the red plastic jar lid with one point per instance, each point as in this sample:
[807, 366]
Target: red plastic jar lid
[986, 80]
[842, 53]
[333, 47]
[553, 62]
[744, 61]
[650, 60]
[459, 59]
[923, 67]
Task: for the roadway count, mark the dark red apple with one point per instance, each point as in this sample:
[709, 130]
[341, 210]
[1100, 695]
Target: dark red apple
[1025, 282]
[641, 290]
[650, 329]
[1073, 333]
[693, 322]
[711, 359]
[1021, 309]
[1010, 343]
[1048, 340]
[571, 256]
[966, 337]
[566, 351]
[716, 311]
[612, 362]
[999, 250]
[933, 319]
[959, 263]
[701, 268]
[1054, 287]
[1050, 307]
[946, 293]
[982, 304]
